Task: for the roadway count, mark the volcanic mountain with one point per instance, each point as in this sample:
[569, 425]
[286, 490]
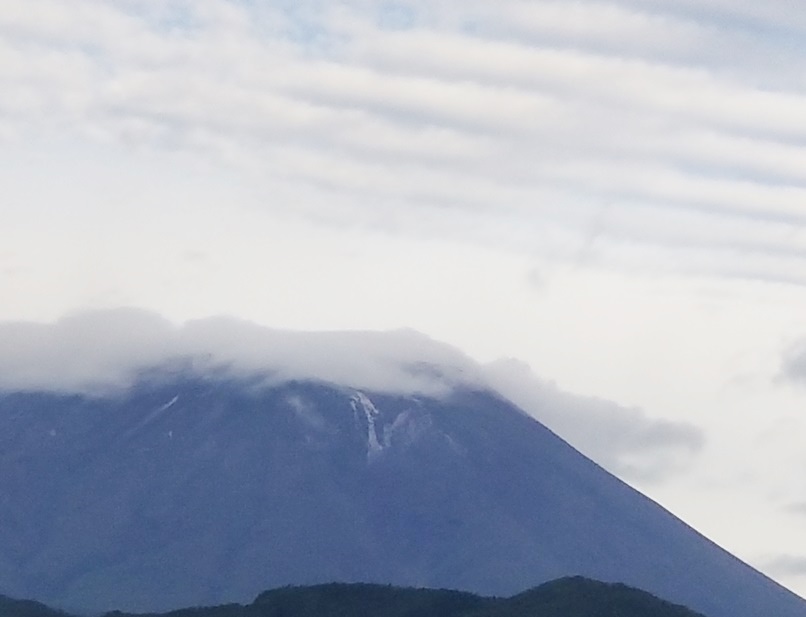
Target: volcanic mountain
[188, 486]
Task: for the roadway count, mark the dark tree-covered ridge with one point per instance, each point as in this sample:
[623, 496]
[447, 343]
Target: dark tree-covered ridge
[26, 608]
[566, 597]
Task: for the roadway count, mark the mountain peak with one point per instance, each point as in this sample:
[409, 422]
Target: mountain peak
[259, 484]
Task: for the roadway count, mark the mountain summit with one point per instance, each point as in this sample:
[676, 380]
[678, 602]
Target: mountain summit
[186, 487]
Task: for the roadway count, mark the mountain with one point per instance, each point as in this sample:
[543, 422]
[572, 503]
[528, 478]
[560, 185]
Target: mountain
[568, 597]
[577, 597]
[189, 489]
[26, 608]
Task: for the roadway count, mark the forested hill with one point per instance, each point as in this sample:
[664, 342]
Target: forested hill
[582, 597]
[26, 608]
[567, 597]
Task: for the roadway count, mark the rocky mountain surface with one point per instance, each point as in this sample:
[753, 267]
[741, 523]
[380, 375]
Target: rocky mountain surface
[188, 490]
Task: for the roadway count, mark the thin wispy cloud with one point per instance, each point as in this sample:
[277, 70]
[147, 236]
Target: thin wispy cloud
[533, 112]
[793, 363]
[792, 565]
[626, 441]
[798, 508]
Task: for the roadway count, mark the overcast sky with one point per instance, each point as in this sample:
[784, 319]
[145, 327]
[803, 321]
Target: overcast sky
[603, 203]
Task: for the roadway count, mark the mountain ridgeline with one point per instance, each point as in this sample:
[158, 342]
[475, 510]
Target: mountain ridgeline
[27, 608]
[568, 597]
[189, 490]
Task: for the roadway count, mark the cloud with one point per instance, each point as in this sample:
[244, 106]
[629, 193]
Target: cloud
[798, 508]
[83, 351]
[624, 440]
[775, 14]
[100, 352]
[793, 363]
[517, 121]
[787, 565]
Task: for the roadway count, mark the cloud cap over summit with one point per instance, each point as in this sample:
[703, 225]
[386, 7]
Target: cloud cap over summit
[104, 351]
[94, 351]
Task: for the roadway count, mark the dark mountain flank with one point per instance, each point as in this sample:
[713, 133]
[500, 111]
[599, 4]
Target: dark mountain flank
[186, 491]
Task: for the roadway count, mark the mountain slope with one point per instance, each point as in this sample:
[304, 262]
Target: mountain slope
[186, 490]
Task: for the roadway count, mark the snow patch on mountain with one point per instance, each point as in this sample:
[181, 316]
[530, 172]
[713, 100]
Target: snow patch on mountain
[306, 412]
[151, 417]
[169, 404]
[360, 402]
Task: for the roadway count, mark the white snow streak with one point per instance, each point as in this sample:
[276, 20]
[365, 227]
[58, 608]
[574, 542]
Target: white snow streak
[371, 412]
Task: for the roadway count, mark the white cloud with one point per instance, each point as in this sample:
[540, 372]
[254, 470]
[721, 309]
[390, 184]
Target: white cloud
[101, 352]
[626, 441]
[788, 565]
[477, 114]
[793, 363]
[775, 13]
[798, 508]
[441, 128]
